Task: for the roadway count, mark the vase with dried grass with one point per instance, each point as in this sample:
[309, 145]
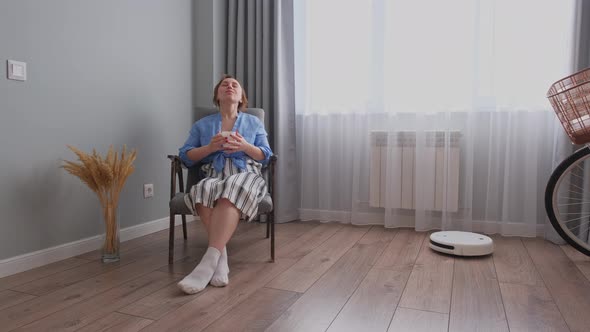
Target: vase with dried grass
[106, 177]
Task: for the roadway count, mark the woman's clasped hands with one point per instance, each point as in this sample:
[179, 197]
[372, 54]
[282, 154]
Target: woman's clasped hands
[234, 142]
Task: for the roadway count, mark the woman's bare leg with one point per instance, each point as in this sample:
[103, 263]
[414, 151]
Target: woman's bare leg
[205, 215]
[224, 221]
[221, 275]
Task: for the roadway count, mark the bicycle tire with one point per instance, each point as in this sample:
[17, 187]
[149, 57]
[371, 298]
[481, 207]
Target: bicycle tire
[551, 198]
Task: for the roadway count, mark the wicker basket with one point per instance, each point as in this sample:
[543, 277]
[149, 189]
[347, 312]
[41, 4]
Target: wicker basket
[570, 98]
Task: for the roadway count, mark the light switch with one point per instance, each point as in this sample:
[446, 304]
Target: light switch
[17, 70]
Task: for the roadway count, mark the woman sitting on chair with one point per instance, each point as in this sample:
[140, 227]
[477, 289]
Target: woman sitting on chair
[232, 146]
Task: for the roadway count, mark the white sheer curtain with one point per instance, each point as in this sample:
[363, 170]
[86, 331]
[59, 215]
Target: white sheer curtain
[458, 90]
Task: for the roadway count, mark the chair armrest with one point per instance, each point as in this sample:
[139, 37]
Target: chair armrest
[176, 165]
[271, 175]
[173, 157]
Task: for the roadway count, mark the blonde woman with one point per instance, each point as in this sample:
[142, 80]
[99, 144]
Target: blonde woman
[232, 146]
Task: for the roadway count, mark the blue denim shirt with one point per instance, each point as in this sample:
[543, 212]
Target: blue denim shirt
[249, 126]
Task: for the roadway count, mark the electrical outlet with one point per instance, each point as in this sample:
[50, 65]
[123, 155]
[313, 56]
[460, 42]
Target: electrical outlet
[148, 190]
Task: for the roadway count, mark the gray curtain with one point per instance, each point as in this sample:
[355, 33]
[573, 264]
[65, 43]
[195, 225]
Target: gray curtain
[582, 47]
[259, 52]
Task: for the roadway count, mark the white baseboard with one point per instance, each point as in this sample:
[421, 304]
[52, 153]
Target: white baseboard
[284, 218]
[368, 218]
[46, 256]
[150, 227]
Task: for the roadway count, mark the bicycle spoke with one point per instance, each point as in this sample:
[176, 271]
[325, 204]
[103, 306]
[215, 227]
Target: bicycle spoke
[565, 185]
[578, 176]
[579, 203]
[571, 198]
[582, 217]
[580, 167]
[573, 185]
[571, 229]
[577, 187]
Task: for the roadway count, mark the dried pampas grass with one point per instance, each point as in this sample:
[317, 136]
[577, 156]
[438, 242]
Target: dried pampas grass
[106, 177]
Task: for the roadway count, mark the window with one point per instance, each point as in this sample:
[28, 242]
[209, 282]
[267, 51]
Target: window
[417, 56]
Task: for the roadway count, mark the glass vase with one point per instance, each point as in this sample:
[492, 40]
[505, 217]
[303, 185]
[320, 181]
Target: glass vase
[112, 245]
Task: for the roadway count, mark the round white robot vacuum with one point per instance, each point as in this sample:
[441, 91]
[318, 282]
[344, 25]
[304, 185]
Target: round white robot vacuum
[461, 243]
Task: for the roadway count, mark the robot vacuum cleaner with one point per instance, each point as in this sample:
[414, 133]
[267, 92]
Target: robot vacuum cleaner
[461, 243]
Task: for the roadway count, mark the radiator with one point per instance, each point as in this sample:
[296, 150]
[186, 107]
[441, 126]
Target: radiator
[392, 166]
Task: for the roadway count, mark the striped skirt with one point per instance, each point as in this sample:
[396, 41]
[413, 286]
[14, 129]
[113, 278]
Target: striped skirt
[244, 188]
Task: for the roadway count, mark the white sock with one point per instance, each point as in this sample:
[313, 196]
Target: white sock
[220, 277]
[197, 280]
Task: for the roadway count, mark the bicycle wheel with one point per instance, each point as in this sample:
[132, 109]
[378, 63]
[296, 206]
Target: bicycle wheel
[567, 200]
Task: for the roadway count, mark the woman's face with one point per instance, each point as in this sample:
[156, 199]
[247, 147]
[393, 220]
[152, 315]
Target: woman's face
[229, 91]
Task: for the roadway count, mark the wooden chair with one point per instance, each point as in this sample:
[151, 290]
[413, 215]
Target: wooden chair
[178, 207]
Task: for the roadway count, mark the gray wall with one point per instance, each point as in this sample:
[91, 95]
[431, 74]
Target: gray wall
[99, 73]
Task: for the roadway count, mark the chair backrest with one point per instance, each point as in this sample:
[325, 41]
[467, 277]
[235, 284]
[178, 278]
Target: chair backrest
[194, 173]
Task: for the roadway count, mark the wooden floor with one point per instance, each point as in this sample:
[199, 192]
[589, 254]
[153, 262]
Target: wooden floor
[328, 277]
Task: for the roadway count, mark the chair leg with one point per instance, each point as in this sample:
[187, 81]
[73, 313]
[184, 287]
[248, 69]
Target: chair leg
[171, 240]
[184, 226]
[272, 237]
[267, 225]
